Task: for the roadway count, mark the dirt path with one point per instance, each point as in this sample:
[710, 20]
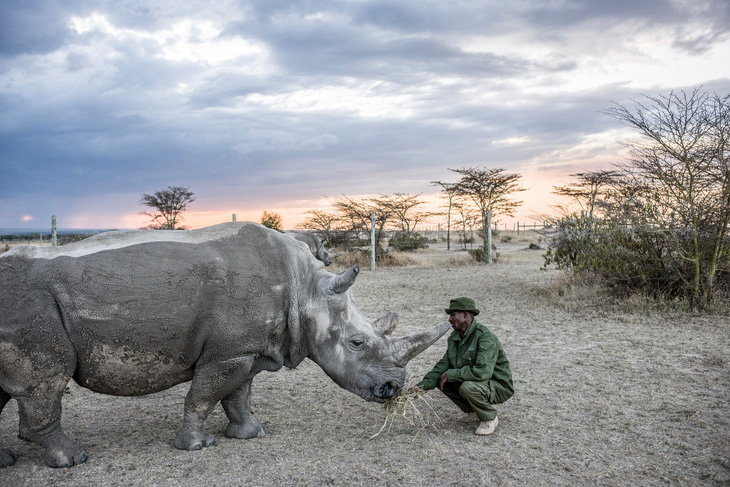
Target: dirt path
[601, 400]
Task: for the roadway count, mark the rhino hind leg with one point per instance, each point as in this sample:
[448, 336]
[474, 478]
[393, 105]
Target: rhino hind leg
[7, 457]
[241, 424]
[40, 423]
[37, 380]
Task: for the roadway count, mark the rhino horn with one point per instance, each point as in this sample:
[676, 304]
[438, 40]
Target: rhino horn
[342, 282]
[386, 324]
[405, 348]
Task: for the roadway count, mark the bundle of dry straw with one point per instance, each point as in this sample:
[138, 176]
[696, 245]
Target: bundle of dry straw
[404, 405]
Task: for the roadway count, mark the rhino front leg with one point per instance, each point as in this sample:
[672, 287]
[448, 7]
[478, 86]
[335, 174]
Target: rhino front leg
[211, 383]
[192, 435]
[241, 424]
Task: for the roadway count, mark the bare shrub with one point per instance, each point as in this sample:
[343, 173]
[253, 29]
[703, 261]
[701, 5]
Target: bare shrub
[659, 224]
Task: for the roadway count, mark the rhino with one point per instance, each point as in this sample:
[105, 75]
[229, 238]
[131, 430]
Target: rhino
[315, 245]
[136, 312]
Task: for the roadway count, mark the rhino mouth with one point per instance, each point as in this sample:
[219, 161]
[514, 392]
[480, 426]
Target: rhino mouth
[385, 391]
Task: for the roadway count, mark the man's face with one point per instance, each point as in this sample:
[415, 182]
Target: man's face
[460, 320]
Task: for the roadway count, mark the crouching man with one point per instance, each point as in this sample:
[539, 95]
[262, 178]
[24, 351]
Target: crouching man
[474, 372]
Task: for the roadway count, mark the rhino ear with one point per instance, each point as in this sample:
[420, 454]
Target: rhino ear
[405, 348]
[342, 282]
[386, 324]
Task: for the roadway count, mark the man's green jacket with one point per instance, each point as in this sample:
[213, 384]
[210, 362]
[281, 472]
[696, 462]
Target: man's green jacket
[475, 356]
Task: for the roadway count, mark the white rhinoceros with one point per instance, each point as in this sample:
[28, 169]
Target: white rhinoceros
[316, 246]
[132, 313]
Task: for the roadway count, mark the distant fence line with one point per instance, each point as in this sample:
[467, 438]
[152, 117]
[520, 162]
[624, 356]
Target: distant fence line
[515, 227]
[497, 227]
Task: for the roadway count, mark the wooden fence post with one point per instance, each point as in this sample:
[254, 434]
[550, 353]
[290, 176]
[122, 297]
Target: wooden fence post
[372, 241]
[489, 237]
[54, 236]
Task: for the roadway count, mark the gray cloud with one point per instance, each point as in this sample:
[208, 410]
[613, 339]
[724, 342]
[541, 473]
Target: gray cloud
[20, 31]
[261, 103]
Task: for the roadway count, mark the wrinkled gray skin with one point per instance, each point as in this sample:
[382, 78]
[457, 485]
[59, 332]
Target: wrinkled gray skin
[316, 246]
[132, 313]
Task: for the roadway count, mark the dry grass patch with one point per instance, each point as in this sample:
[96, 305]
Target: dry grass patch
[419, 258]
[575, 293]
[414, 407]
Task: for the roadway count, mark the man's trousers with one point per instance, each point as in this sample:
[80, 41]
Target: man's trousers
[477, 396]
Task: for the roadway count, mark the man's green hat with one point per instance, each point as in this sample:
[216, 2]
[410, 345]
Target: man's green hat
[462, 304]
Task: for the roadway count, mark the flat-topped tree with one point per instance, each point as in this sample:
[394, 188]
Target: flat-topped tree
[490, 190]
[169, 203]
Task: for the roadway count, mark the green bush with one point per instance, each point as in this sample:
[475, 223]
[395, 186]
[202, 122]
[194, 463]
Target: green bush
[642, 257]
[346, 240]
[480, 255]
[407, 242]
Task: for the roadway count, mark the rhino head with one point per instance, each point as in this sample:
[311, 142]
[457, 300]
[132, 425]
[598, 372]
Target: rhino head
[316, 246]
[356, 353]
[323, 253]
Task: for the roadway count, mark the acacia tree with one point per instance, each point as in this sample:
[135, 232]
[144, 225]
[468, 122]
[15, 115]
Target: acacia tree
[588, 189]
[467, 217]
[680, 164]
[404, 210]
[450, 192]
[169, 203]
[355, 213]
[490, 190]
[321, 222]
[355, 216]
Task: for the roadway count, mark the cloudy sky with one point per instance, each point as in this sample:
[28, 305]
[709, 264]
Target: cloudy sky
[277, 105]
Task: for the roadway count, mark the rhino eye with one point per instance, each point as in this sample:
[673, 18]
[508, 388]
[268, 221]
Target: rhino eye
[357, 343]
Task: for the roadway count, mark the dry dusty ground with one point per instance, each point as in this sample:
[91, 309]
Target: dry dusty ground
[601, 399]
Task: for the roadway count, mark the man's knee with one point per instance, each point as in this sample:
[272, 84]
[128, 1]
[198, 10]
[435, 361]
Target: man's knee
[470, 389]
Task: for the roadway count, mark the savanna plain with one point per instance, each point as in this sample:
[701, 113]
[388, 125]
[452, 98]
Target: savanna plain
[605, 395]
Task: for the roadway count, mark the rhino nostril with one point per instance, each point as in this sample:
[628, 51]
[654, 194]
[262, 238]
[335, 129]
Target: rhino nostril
[389, 389]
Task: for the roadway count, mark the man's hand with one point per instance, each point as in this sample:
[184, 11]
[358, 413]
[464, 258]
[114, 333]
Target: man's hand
[443, 380]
